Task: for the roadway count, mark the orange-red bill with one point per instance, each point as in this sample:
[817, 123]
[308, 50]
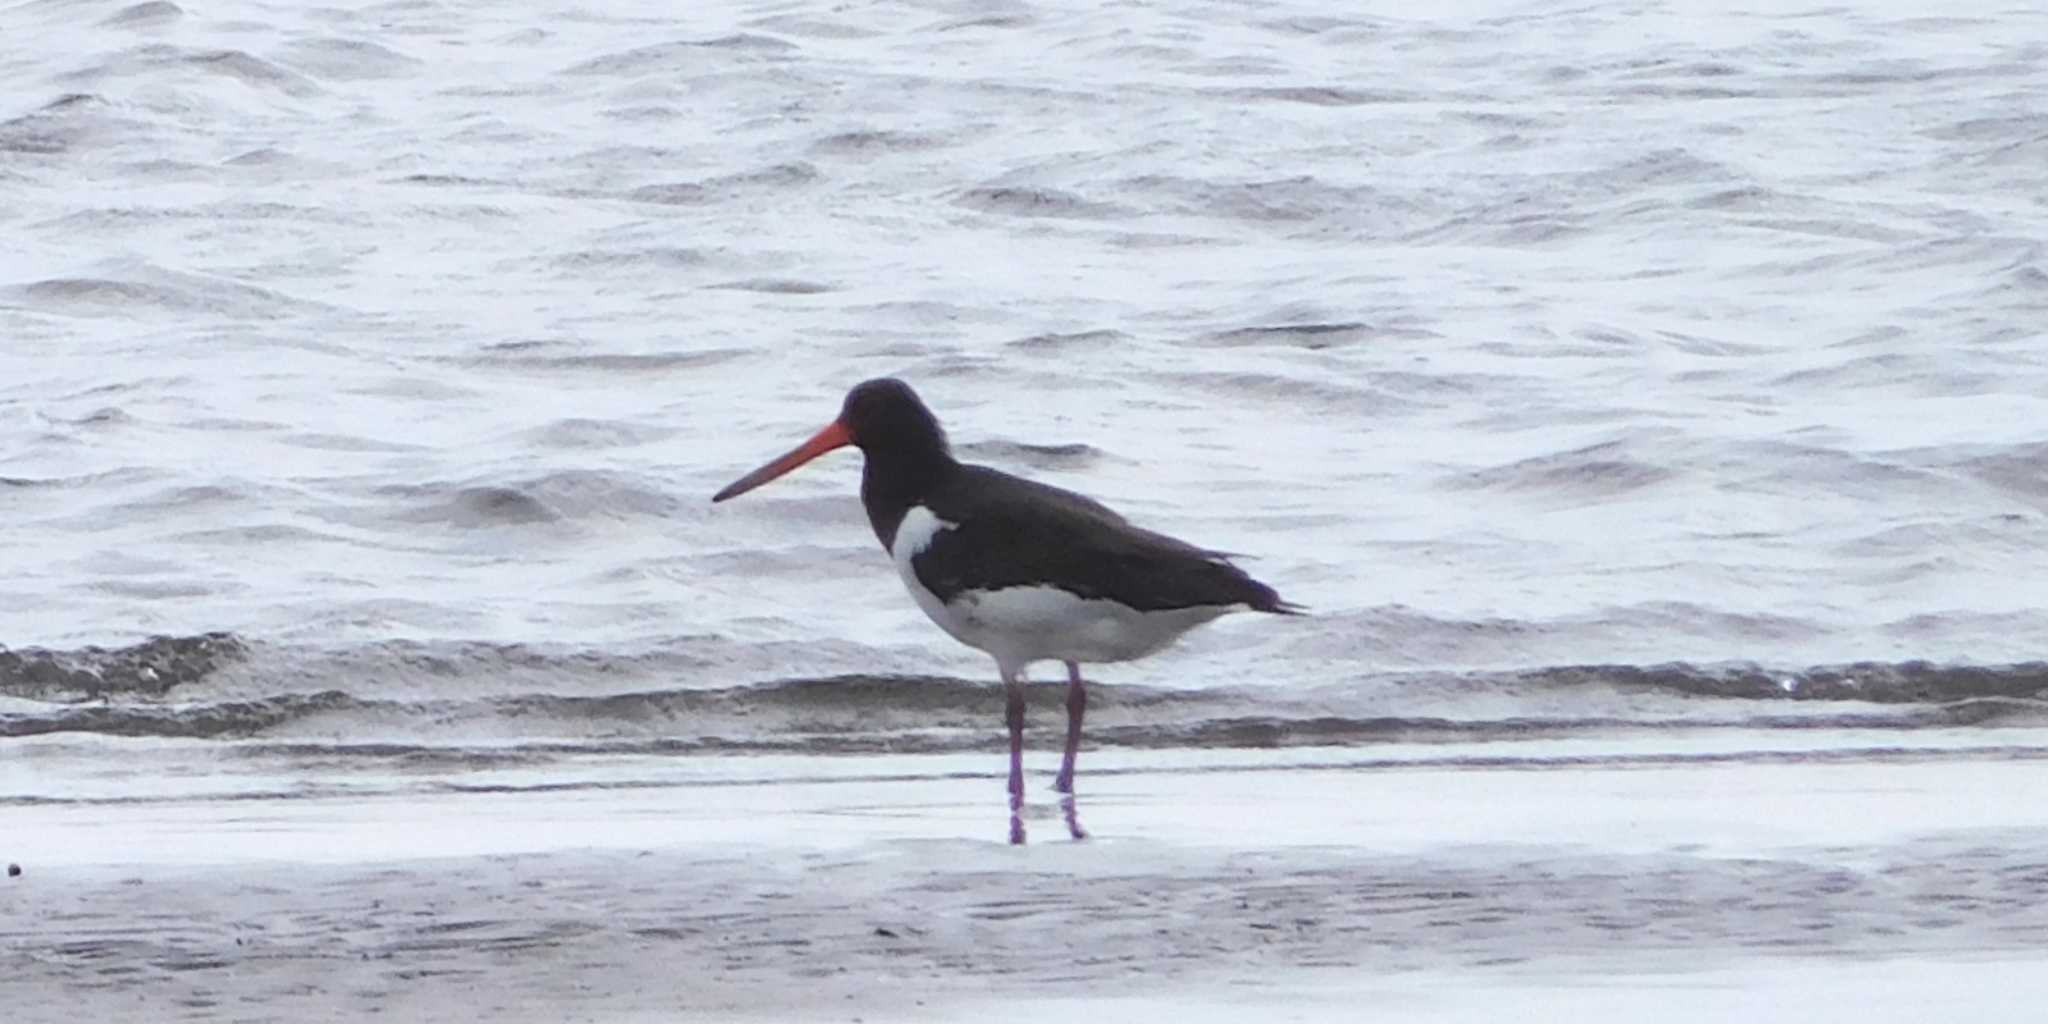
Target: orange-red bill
[835, 435]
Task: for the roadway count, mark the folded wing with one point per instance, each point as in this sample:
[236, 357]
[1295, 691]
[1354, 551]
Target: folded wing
[1016, 533]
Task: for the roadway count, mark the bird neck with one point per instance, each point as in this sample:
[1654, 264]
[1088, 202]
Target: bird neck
[893, 481]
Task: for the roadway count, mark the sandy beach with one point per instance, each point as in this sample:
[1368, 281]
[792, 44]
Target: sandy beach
[1887, 890]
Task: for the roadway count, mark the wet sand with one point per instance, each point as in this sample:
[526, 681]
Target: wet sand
[1886, 890]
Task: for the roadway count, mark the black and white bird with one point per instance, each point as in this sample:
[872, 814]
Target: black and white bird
[1021, 570]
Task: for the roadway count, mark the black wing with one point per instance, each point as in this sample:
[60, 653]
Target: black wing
[1012, 532]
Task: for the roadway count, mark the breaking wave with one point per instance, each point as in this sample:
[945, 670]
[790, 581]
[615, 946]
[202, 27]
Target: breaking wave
[219, 686]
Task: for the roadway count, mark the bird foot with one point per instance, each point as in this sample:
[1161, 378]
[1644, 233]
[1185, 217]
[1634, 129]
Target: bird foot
[1073, 821]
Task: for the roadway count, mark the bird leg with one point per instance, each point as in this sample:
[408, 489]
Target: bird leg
[1013, 715]
[1077, 706]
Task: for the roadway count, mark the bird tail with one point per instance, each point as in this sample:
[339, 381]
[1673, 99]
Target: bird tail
[1265, 599]
[1256, 595]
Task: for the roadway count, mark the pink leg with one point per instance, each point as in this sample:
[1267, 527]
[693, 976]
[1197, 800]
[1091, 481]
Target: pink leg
[1077, 706]
[1013, 715]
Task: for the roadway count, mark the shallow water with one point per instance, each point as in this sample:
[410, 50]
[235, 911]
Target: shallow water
[1601, 374]
[1306, 891]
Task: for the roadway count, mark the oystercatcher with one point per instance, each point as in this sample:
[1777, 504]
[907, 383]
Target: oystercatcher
[1021, 570]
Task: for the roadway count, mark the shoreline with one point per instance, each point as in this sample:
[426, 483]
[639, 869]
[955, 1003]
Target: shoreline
[829, 901]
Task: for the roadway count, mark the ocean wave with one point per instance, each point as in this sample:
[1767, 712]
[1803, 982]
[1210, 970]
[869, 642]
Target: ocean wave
[1908, 682]
[570, 494]
[903, 713]
[1037, 201]
[151, 667]
[757, 722]
[680, 57]
[171, 667]
[134, 289]
[1604, 470]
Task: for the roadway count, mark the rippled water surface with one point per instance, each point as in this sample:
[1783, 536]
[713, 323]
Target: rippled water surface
[1654, 383]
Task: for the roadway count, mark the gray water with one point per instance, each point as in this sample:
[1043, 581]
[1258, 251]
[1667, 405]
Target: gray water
[1608, 373]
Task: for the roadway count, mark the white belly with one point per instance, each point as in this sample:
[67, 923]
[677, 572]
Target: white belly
[1023, 624]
